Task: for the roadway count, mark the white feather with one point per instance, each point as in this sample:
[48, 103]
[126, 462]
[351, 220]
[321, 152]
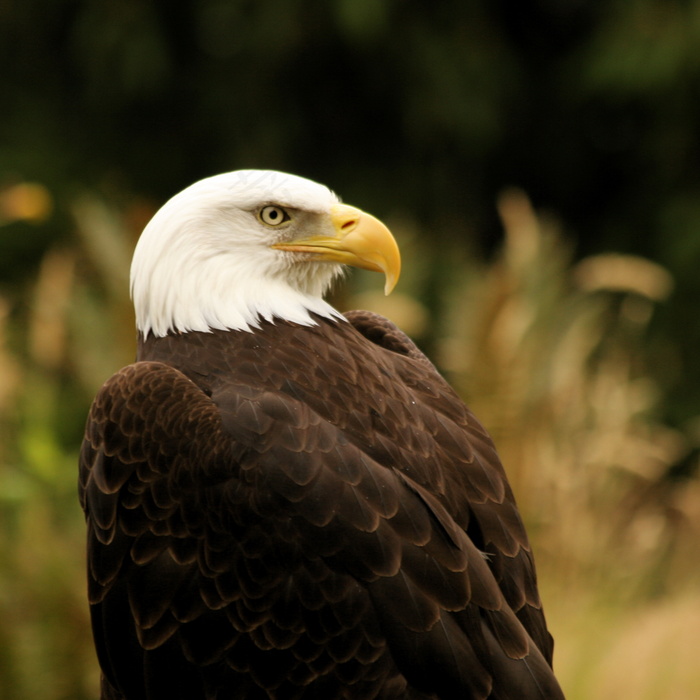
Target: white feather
[204, 260]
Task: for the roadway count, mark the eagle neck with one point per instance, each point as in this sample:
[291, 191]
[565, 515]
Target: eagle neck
[220, 352]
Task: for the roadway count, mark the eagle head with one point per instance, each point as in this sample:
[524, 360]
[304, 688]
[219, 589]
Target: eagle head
[247, 245]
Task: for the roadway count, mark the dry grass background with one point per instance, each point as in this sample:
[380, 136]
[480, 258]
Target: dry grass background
[550, 355]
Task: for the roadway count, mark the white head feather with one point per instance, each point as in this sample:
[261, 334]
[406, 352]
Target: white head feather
[204, 261]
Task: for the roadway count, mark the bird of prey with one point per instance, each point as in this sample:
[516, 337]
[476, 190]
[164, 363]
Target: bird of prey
[286, 502]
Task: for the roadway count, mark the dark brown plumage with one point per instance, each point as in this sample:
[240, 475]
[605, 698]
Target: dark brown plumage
[294, 506]
[303, 512]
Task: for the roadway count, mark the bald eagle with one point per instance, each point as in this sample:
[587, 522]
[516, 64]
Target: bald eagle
[283, 501]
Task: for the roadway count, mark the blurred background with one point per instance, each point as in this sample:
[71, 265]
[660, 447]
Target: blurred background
[539, 163]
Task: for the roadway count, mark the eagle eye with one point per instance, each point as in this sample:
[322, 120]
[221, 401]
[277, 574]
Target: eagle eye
[272, 215]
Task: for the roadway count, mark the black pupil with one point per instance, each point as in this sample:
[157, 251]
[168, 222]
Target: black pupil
[273, 214]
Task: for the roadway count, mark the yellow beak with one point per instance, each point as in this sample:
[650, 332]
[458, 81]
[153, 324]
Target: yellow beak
[359, 240]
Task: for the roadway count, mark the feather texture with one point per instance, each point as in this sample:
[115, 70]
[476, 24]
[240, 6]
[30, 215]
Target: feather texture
[303, 511]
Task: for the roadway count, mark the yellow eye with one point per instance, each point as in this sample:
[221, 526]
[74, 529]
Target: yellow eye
[272, 215]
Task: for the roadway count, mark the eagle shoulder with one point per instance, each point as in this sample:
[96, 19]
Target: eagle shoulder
[382, 332]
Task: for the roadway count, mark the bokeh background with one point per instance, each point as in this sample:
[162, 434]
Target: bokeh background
[539, 162]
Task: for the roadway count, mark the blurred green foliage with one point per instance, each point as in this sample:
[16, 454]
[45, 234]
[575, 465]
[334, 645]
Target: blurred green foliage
[582, 363]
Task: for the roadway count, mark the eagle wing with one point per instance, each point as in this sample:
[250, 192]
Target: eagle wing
[479, 498]
[247, 536]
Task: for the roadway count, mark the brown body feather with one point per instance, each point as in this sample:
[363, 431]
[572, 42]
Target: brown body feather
[303, 512]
